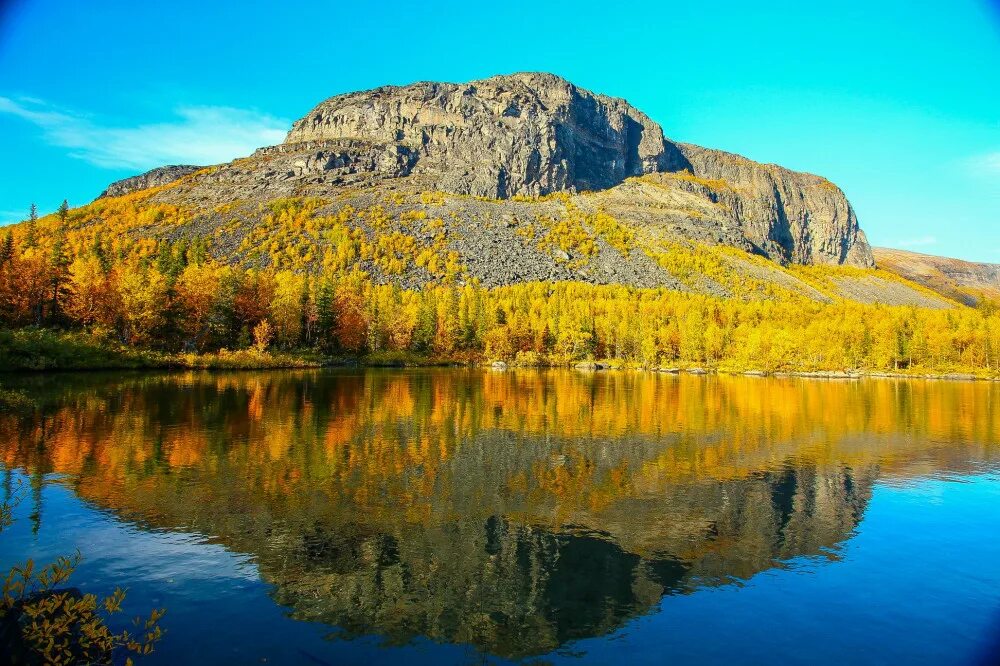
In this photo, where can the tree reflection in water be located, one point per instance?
(514, 511)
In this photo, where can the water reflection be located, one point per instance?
(511, 511)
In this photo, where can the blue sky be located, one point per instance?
(896, 102)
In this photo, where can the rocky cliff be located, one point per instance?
(523, 134)
(521, 166)
(154, 178)
(799, 217)
(534, 134)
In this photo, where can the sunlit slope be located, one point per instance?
(965, 281)
(655, 231)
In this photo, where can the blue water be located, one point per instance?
(919, 583)
(915, 581)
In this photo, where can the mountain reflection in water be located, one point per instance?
(513, 511)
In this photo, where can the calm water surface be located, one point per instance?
(456, 516)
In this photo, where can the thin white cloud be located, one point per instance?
(987, 164)
(920, 241)
(12, 216)
(200, 135)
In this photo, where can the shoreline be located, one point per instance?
(236, 361)
(806, 374)
(36, 351)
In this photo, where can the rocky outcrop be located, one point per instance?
(510, 139)
(533, 134)
(523, 134)
(795, 217)
(335, 158)
(155, 178)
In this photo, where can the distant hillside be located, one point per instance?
(964, 281)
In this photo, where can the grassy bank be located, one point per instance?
(408, 359)
(35, 349)
(41, 349)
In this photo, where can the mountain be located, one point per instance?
(516, 219)
(964, 281)
(509, 179)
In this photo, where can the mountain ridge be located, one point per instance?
(505, 144)
(968, 282)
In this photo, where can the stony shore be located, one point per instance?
(593, 366)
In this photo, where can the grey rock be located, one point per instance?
(343, 157)
(794, 217)
(154, 178)
(527, 133)
(533, 134)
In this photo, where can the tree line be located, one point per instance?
(172, 295)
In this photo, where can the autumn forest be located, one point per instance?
(91, 274)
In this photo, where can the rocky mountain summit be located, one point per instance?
(517, 165)
(523, 134)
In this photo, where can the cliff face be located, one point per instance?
(799, 217)
(523, 134)
(506, 141)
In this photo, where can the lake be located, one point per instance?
(471, 516)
